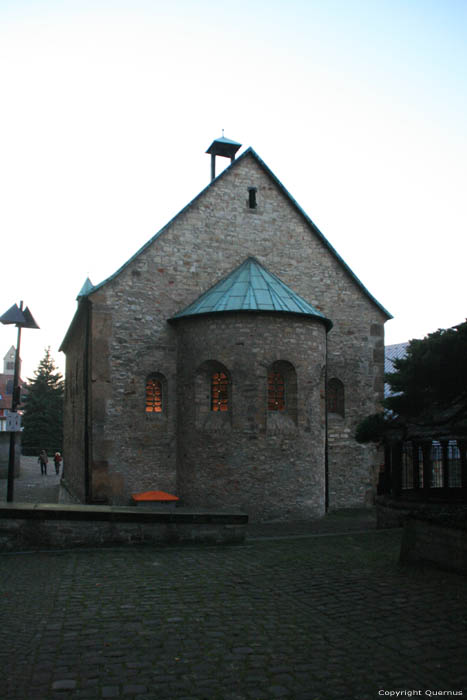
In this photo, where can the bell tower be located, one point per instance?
(222, 147)
(9, 361)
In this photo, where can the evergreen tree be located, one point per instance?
(429, 388)
(431, 378)
(43, 409)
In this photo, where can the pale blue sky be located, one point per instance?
(358, 107)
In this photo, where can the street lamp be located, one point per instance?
(21, 318)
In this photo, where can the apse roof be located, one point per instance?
(250, 287)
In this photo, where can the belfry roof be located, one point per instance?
(250, 287)
(224, 147)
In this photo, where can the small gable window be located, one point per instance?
(153, 395)
(276, 391)
(219, 392)
(336, 397)
(252, 197)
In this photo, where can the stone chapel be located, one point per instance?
(227, 362)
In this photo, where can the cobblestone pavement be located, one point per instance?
(302, 611)
(310, 618)
(31, 486)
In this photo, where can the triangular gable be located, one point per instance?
(11, 352)
(314, 228)
(251, 287)
(316, 231)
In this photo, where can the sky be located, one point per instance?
(358, 107)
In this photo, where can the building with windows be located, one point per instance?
(227, 362)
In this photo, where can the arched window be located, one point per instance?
(336, 397)
(219, 392)
(281, 407)
(153, 395)
(276, 391)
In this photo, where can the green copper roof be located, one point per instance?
(86, 288)
(251, 287)
(224, 147)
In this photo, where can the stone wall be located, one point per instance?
(425, 542)
(132, 451)
(391, 514)
(74, 417)
(356, 358)
(26, 527)
(266, 462)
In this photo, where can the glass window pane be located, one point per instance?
(153, 396)
(276, 392)
(219, 392)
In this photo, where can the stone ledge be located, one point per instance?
(426, 542)
(392, 512)
(56, 526)
(59, 511)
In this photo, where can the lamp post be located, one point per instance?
(21, 318)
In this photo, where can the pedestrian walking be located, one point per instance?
(57, 461)
(43, 460)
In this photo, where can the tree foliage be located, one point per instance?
(43, 409)
(372, 428)
(432, 377)
(428, 388)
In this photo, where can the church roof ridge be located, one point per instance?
(251, 287)
(321, 236)
(316, 230)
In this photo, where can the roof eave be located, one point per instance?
(166, 226)
(78, 313)
(317, 231)
(322, 319)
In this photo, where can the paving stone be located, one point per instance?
(134, 689)
(65, 684)
(328, 623)
(258, 695)
(278, 691)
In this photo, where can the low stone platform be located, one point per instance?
(394, 512)
(25, 526)
(434, 543)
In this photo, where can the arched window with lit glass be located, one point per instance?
(336, 399)
(276, 391)
(153, 395)
(219, 392)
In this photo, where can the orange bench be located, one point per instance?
(155, 498)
